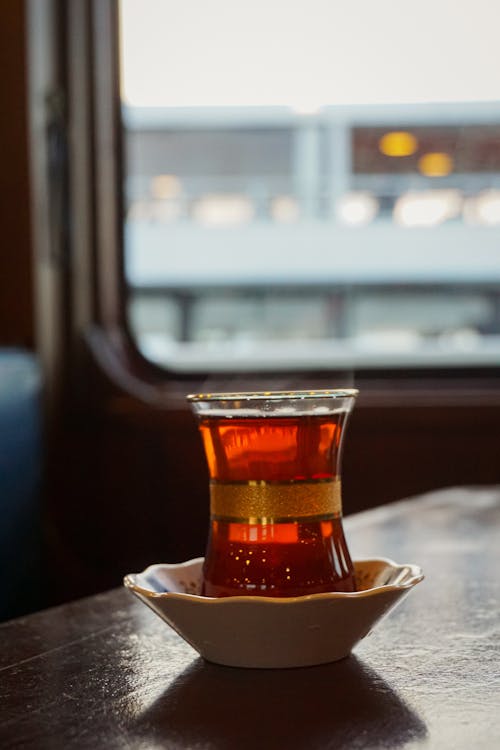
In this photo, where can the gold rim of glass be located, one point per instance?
(274, 395)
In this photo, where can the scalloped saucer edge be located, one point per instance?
(253, 631)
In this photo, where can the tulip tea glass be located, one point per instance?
(275, 492)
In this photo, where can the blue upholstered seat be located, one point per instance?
(20, 467)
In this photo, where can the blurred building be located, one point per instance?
(353, 226)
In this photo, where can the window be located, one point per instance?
(287, 208)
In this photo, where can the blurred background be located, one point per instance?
(235, 195)
(291, 179)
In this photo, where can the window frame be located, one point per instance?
(95, 318)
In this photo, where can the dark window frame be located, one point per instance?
(91, 262)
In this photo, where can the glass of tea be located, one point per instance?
(275, 492)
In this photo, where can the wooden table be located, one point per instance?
(105, 672)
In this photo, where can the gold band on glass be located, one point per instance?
(275, 500)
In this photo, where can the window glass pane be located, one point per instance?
(312, 183)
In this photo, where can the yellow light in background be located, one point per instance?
(226, 209)
(483, 208)
(435, 164)
(357, 208)
(427, 208)
(165, 186)
(398, 143)
(285, 209)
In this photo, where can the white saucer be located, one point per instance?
(253, 631)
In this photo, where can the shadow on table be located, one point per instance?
(339, 705)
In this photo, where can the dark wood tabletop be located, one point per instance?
(105, 672)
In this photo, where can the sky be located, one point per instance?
(308, 53)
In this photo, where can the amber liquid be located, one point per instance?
(276, 527)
